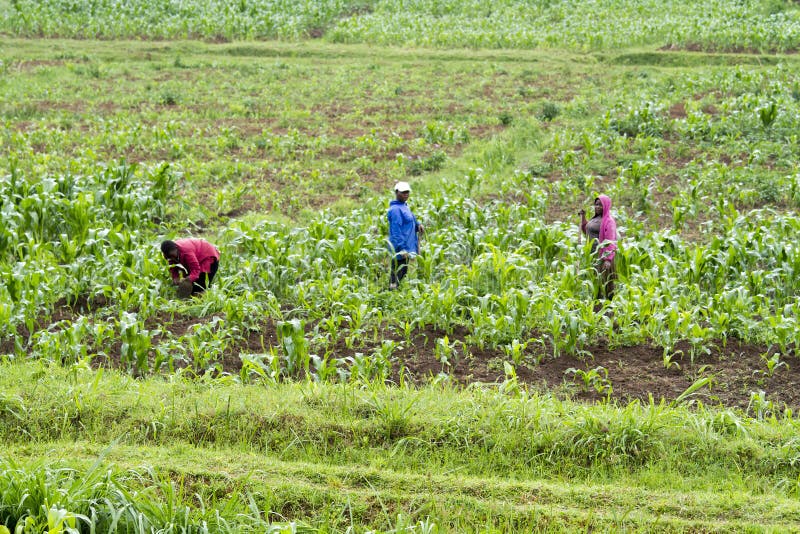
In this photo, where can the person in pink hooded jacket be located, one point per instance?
(198, 259)
(602, 230)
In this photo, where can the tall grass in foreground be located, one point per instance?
(500, 430)
(61, 500)
(310, 457)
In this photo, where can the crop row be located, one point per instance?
(701, 172)
(584, 26)
(231, 126)
(495, 269)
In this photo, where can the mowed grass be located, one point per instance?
(333, 498)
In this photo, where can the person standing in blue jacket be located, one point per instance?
(403, 230)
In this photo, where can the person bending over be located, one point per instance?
(195, 264)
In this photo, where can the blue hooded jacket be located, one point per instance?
(402, 228)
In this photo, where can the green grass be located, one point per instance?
(338, 496)
(349, 456)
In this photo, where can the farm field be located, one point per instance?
(491, 392)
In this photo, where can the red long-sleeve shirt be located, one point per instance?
(196, 255)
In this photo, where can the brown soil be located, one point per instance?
(677, 111)
(638, 372)
(34, 64)
(735, 370)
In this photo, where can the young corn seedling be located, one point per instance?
(136, 342)
(697, 337)
(256, 366)
(408, 330)
(332, 326)
(784, 330)
(327, 368)
(386, 350)
(207, 342)
(357, 319)
(167, 353)
(515, 351)
(773, 363)
(596, 379)
(291, 335)
(367, 369)
(760, 406)
(445, 352)
(768, 114)
(669, 356)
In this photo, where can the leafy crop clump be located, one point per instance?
(431, 163)
(549, 111)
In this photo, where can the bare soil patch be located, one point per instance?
(677, 111)
(34, 64)
(736, 371)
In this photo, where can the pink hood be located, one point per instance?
(608, 231)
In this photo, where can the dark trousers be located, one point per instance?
(205, 279)
(398, 270)
(606, 277)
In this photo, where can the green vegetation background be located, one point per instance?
(124, 123)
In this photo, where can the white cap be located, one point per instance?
(401, 187)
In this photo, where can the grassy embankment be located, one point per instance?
(342, 455)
